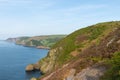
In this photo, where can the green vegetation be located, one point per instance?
(24, 38)
(36, 42)
(114, 71)
(96, 32)
(88, 47)
(44, 41)
(83, 38)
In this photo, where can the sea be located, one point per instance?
(14, 59)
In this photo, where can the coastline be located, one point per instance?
(37, 47)
(19, 57)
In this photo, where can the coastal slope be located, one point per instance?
(45, 41)
(91, 53)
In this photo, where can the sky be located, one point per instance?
(48, 17)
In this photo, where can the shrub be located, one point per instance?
(114, 72)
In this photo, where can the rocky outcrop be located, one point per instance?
(12, 40)
(48, 63)
(42, 47)
(71, 74)
(30, 67)
(33, 78)
(90, 73)
(36, 66)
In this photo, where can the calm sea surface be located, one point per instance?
(14, 59)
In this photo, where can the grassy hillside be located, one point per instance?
(81, 39)
(83, 48)
(39, 41)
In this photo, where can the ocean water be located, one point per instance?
(14, 58)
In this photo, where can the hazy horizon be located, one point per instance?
(17, 36)
(49, 17)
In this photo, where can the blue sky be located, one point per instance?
(43, 17)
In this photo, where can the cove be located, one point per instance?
(14, 58)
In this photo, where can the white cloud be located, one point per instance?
(9, 1)
(86, 7)
(26, 3)
(81, 9)
(14, 1)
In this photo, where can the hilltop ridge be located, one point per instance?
(85, 54)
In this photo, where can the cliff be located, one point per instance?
(12, 40)
(37, 41)
(90, 53)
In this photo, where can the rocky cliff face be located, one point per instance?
(12, 40)
(82, 55)
(89, 73)
(47, 64)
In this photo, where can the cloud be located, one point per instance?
(6, 2)
(82, 9)
(9, 1)
(26, 3)
(86, 7)
(14, 3)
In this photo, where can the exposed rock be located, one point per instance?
(47, 64)
(55, 72)
(42, 47)
(71, 74)
(111, 41)
(30, 67)
(118, 41)
(33, 78)
(74, 53)
(36, 66)
(90, 73)
(12, 40)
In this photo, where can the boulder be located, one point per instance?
(36, 66)
(33, 78)
(30, 67)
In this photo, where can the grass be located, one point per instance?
(93, 33)
(46, 41)
(92, 40)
